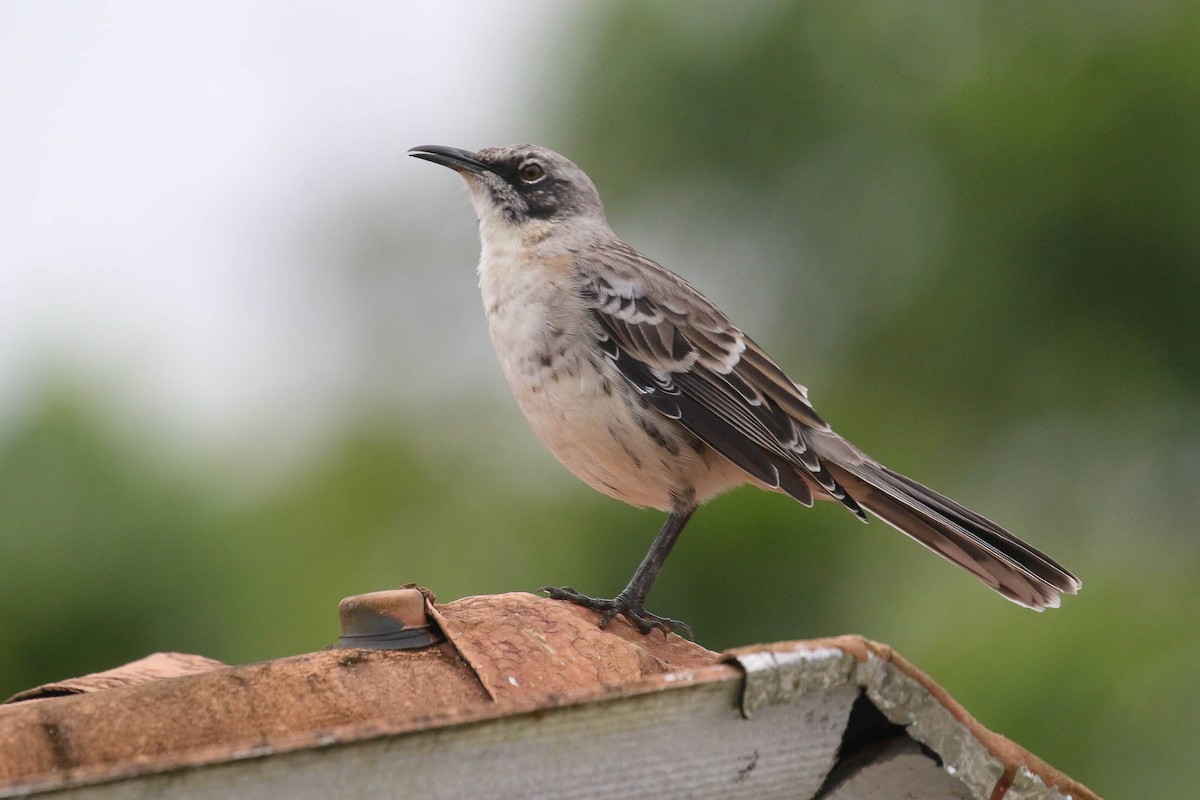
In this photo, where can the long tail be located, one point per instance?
(1016, 570)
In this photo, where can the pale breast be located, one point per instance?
(573, 397)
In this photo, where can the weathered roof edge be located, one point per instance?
(1019, 766)
(528, 656)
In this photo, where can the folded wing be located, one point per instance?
(692, 364)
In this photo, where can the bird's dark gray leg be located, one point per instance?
(629, 602)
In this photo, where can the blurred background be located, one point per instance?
(244, 370)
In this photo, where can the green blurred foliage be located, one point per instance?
(976, 229)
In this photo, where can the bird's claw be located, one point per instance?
(620, 605)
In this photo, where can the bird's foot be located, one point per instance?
(620, 605)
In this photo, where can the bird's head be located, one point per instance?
(520, 184)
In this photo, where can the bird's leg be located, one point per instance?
(629, 602)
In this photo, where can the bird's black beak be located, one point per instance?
(452, 157)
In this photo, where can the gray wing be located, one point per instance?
(688, 361)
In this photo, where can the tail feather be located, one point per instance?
(1013, 568)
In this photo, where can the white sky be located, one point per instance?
(159, 163)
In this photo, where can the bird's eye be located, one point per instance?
(531, 172)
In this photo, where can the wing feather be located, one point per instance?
(688, 360)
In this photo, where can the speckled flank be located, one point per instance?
(585, 412)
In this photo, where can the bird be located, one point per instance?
(649, 393)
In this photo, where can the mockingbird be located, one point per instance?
(649, 393)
